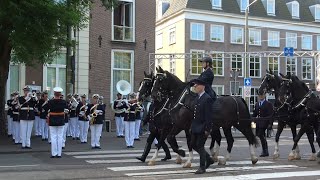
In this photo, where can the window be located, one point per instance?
(216, 4)
(317, 13)
(172, 65)
(271, 7)
(237, 63)
(273, 39)
(238, 93)
(196, 67)
(217, 33)
(318, 42)
(197, 31)
(122, 69)
(307, 69)
(219, 89)
(291, 65)
(243, 5)
(237, 35)
(273, 64)
(217, 63)
(123, 21)
(254, 37)
(160, 12)
(294, 9)
(13, 80)
(306, 41)
(172, 36)
(55, 74)
(253, 98)
(291, 40)
(254, 66)
(159, 41)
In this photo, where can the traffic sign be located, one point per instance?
(247, 81)
(288, 51)
(247, 91)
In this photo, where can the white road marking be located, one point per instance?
(106, 152)
(224, 169)
(31, 165)
(168, 166)
(261, 176)
(112, 155)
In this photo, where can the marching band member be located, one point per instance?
(37, 121)
(9, 116)
(139, 110)
(73, 116)
(66, 124)
(129, 121)
(95, 113)
(42, 105)
(119, 105)
(57, 108)
(83, 120)
(16, 119)
(27, 116)
(77, 99)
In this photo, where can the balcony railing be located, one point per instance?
(122, 33)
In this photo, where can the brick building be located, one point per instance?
(216, 27)
(120, 42)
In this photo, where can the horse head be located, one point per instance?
(145, 86)
(270, 82)
(160, 85)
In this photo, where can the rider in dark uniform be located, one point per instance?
(207, 76)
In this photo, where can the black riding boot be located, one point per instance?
(167, 151)
(264, 145)
(145, 152)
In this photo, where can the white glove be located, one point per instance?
(81, 113)
(66, 110)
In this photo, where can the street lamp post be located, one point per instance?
(246, 44)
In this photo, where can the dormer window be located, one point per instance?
(216, 4)
(315, 10)
(294, 9)
(243, 4)
(271, 7)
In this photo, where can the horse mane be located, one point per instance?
(301, 83)
(174, 77)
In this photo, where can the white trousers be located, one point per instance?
(78, 128)
(17, 136)
(25, 130)
(56, 133)
(73, 126)
(37, 126)
(65, 128)
(44, 128)
(96, 130)
(137, 128)
(120, 125)
(84, 127)
(129, 132)
(10, 125)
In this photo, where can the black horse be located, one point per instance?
(180, 105)
(305, 105)
(271, 84)
(145, 92)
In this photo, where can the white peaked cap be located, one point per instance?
(57, 89)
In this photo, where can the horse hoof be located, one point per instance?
(222, 161)
(151, 163)
(254, 161)
(187, 165)
(178, 161)
(215, 159)
(276, 156)
(297, 157)
(290, 158)
(313, 157)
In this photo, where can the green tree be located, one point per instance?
(34, 31)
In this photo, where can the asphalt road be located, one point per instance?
(115, 161)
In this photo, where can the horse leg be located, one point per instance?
(280, 128)
(152, 161)
(296, 140)
(215, 143)
(187, 164)
(230, 140)
(293, 127)
(147, 148)
(253, 143)
(174, 145)
(310, 136)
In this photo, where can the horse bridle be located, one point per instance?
(268, 77)
(146, 81)
(162, 93)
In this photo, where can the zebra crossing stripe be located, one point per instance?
(261, 176)
(113, 155)
(169, 166)
(224, 169)
(106, 152)
(116, 161)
